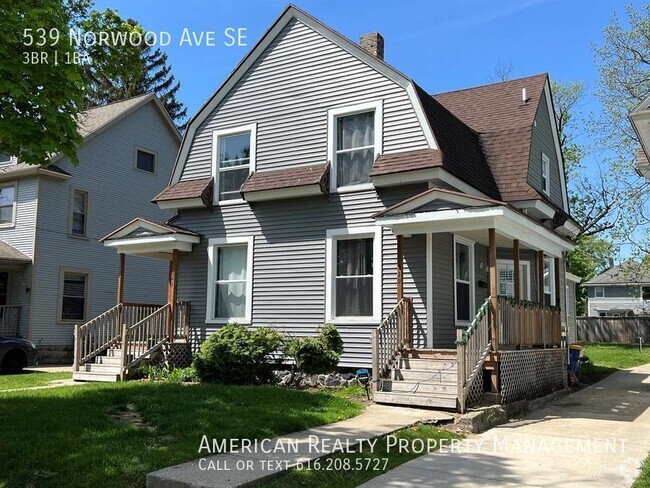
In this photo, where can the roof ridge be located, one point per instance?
(115, 102)
(485, 85)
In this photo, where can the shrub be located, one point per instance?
(317, 354)
(236, 355)
(170, 374)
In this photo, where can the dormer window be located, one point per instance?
(546, 180)
(355, 142)
(234, 161)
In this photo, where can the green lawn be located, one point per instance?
(352, 469)
(609, 358)
(28, 379)
(68, 436)
(643, 481)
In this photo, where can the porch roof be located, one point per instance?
(143, 237)
(440, 210)
(11, 255)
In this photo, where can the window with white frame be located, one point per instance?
(599, 292)
(353, 265)
(7, 204)
(546, 178)
(230, 280)
(74, 295)
(549, 281)
(234, 155)
(355, 133)
(464, 279)
(506, 278)
(79, 213)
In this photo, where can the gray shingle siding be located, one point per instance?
(614, 291)
(543, 142)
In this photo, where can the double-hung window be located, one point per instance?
(353, 262)
(464, 280)
(549, 281)
(355, 134)
(599, 292)
(74, 295)
(506, 278)
(234, 160)
(546, 178)
(7, 204)
(230, 280)
(79, 213)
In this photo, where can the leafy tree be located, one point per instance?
(41, 98)
(591, 257)
(122, 71)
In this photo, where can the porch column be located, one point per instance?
(492, 253)
(540, 276)
(120, 278)
(515, 252)
(557, 281)
(171, 293)
(400, 268)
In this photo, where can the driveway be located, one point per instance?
(596, 437)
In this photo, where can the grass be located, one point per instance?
(345, 470)
(643, 481)
(609, 358)
(66, 437)
(29, 379)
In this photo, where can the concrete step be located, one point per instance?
(102, 368)
(428, 364)
(95, 376)
(113, 360)
(417, 400)
(446, 354)
(440, 376)
(420, 387)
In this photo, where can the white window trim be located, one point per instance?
(148, 151)
(71, 212)
(62, 272)
(14, 185)
(213, 244)
(335, 113)
(332, 236)
(603, 290)
(526, 266)
(551, 275)
(472, 281)
(546, 174)
(216, 135)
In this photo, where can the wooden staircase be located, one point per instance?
(422, 377)
(104, 368)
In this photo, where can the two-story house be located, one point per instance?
(54, 272)
(319, 184)
(620, 291)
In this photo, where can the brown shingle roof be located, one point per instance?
(182, 190)
(504, 125)
(288, 178)
(406, 161)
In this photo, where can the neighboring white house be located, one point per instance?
(618, 292)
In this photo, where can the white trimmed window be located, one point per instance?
(78, 213)
(355, 135)
(464, 280)
(599, 292)
(546, 177)
(353, 268)
(230, 280)
(7, 204)
(233, 160)
(549, 281)
(73, 300)
(506, 278)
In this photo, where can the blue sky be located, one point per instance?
(442, 44)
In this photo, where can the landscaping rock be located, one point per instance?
(482, 419)
(296, 379)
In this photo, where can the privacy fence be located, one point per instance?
(613, 329)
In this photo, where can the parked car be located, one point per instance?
(15, 354)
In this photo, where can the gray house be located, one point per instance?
(620, 291)
(321, 185)
(54, 272)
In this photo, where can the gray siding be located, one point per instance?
(481, 278)
(288, 92)
(542, 141)
(571, 311)
(415, 285)
(615, 291)
(21, 235)
(444, 329)
(289, 262)
(117, 193)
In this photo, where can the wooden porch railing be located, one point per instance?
(524, 323)
(390, 339)
(473, 348)
(182, 320)
(143, 338)
(10, 320)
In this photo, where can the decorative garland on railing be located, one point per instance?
(487, 304)
(528, 303)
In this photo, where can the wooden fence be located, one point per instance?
(613, 329)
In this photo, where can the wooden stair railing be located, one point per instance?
(473, 348)
(390, 339)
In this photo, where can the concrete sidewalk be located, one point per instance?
(230, 470)
(597, 437)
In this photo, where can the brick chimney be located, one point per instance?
(373, 43)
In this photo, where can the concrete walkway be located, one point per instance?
(230, 470)
(597, 437)
(49, 368)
